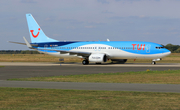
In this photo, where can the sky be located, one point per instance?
(91, 20)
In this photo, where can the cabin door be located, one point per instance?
(148, 48)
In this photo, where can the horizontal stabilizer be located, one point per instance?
(35, 45)
(17, 43)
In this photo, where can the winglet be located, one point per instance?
(27, 43)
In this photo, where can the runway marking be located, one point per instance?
(93, 86)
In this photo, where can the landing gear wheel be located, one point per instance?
(153, 63)
(85, 62)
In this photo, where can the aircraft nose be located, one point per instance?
(167, 52)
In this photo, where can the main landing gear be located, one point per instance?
(85, 62)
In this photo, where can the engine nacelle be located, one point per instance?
(98, 58)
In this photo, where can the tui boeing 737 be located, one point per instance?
(92, 51)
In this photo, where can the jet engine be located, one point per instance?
(98, 58)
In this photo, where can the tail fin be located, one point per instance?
(36, 33)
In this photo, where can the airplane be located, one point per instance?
(92, 51)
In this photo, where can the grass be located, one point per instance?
(54, 99)
(33, 58)
(1, 66)
(173, 58)
(161, 77)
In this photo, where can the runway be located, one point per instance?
(25, 70)
(93, 86)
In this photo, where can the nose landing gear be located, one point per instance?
(153, 63)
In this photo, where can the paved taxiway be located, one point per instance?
(24, 70)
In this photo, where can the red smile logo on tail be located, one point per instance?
(33, 33)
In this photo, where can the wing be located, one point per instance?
(78, 53)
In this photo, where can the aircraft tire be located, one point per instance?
(85, 62)
(153, 63)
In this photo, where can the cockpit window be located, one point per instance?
(159, 47)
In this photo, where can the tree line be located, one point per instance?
(18, 52)
(171, 47)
